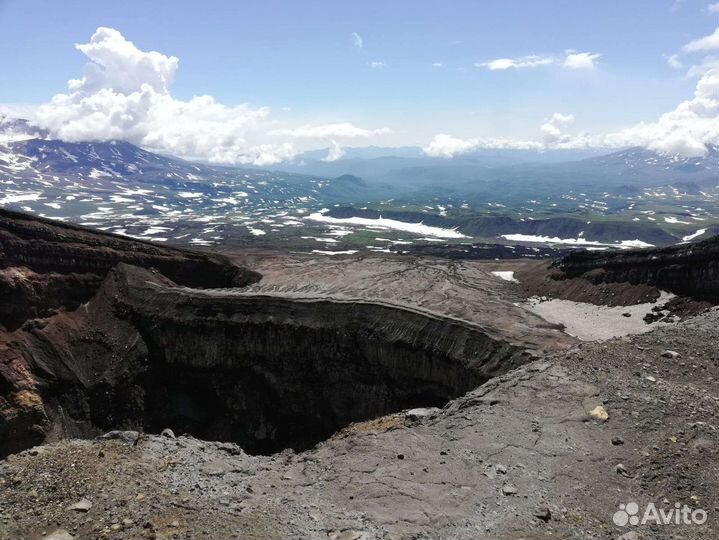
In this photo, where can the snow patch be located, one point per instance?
(691, 237)
(506, 275)
(623, 244)
(416, 228)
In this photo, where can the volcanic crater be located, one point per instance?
(140, 337)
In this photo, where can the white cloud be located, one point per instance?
(377, 65)
(334, 153)
(552, 128)
(341, 130)
(674, 62)
(572, 60)
(698, 70)
(554, 133)
(713, 8)
(124, 94)
(437, 65)
(580, 60)
(687, 130)
(501, 64)
(261, 154)
(357, 40)
(448, 146)
(706, 43)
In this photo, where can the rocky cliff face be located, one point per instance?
(46, 266)
(268, 373)
(131, 341)
(688, 270)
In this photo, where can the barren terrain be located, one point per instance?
(353, 398)
(519, 457)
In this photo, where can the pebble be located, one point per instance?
(83, 505)
(509, 489)
(599, 413)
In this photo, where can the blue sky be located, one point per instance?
(300, 59)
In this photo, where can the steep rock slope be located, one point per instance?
(261, 371)
(689, 269)
(46, 265)
(49, 270)
(142, 346)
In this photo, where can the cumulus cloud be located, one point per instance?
(357, 40)
(334, 153)
(706, 43)
(553, 137)
(377, 65)
(554, 134)
(341, 130)
(580, 60)
(697, 70)
(687, 130)
(523, 62)
(124, 93)
(260, 154)
(448, 146)
(552, 128)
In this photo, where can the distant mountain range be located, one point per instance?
(120, 184)
(508, 176)
(120, 187)
(42, 165)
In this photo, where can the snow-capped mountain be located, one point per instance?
(120, 187)
(647, 162)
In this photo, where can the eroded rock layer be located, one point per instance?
(689, 270)
(265, 372)
(46, 265)
(132, 342)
